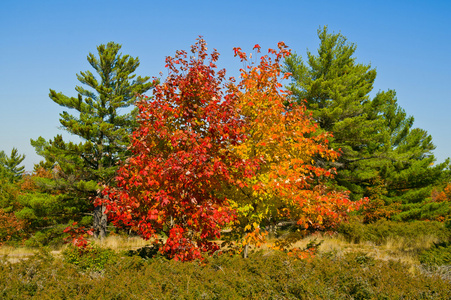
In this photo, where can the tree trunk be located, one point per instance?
(100, 222)
(246, 251)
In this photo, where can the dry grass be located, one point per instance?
(422, 242)
(400, 249)
(114, 242)
(22, 251)
(15, 254)
(119, 243)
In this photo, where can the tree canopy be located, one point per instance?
(209, 154)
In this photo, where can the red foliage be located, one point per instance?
(200, 138)
(181, 158)
(77, 236)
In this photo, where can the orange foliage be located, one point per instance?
(376, 209)
(255, 237)
(10, 227)
(442, 196)
(284, 138)
(447, 191)
(28, 182)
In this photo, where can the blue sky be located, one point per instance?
(44, 44)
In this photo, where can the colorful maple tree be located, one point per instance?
(210, 153)
(290, 184)
(182, 157)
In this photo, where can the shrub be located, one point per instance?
(439, 254)
(91, 258)
(265, 275)
(11, 228)
(437, 211)
(52, 236)
(383, 230)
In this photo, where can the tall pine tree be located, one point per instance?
(382, 156)
(408, 167)
(104, 130)
(9, 165)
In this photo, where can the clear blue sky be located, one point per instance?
(44, 44)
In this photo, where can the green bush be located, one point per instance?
(424, 211)
(52, 236)
(91, 258)
(383, 230)
(439, 254)
(270, 275)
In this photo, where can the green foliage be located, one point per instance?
(424, 211)
(51, 235)
(268, 276)
(9, 166)
(78, 169)
(44, 210)
(99, 122)
(382, 230)
(336, 90)
(92, 258)
(40, 212)
(439, 254)
(9, 193)
(407, 169)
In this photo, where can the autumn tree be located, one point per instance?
(99, 122)
(182, 156)
(209, 154)
(281, 135)
(11, 227)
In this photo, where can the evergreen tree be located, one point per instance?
(9, 166)
(10, 173)
(81, 168)
(382, 155)
(408, 169)
(336, 91)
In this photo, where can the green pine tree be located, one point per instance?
(382, 155)
(336, 90)
(104, 129)
(408, 168)
(9, 166)
(10, 175)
